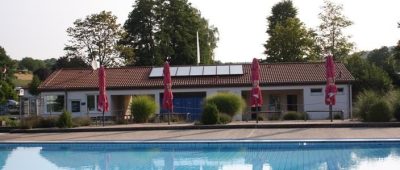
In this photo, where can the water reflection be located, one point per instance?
(206, 158)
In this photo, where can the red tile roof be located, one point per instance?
(138, 77)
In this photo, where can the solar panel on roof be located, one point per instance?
(223, 70)
(236, 69)
(196, 70)
(173, 71)
(199, 70)
(156, 72)
(210, 70)
(183, 71)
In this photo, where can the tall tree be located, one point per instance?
(396, 51)
(34, 85)
(31, 64)
(289, 40)
(95, 38)
(167, 28)
(368, 76)
(331, 28)
(70, 62)
(281, 12)
(7, 70)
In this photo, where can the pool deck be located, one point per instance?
(282, 130)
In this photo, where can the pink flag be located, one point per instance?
(168, 97)
(102, 103)
(256, 96)
(330, 89)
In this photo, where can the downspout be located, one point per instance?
(350, 102)
(66, 100)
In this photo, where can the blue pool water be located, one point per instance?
(220, 155)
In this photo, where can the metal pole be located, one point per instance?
(169, 114)
(330, 113)
(103, 117)
(20, 108)
(256, 114)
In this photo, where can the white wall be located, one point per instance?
(311, 102)
(317, 102)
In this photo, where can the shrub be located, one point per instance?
(379, 112)
(337, 116)
(47, 122)
(65, 120)
(228, 103)
(210, 114)
(274, 117)
(30, 122)
(8, 122)
(394, 100)
(363, 104)
(291, 116)
(142, 108)
(224, 118)
(81, 121)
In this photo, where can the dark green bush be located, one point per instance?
(396, 111)
(379, 112)
(210, 114)
(228, 103)
(142, 108)
(224, 118)
(291, 116)
(364, 102)
(395, 102)
(65, 120)
(337, 116)
(81, 121)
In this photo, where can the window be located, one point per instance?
(316, 91)
(291, 102)
(92, 102)
(340, 90)
(55, 103)
(274, 103)
(75, 106)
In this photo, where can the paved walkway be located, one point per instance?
(211, 134)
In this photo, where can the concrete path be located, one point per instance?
(212, 134)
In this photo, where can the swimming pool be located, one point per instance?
(203, 155)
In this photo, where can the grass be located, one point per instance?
(23, 79)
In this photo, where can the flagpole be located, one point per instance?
(198, 48)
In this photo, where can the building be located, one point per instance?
(285, 87)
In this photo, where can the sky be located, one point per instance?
(37, 28)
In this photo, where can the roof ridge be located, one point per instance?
(54, 76)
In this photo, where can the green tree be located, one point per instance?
(289, 40)
(384, 58)
(331, 28)
(367, 75)
(50, 62)
(31, 64)
(280, 12)
(42, 73)
(396, 51)
(167, 28)
(70, 62)
(96, 38)
(7, 70)
(33, 86)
